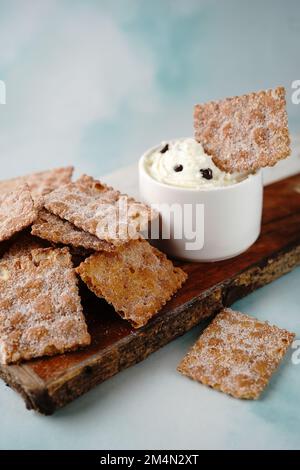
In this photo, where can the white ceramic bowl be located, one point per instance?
(226, 220)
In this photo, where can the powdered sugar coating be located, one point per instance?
(17, 211)
(136, 279)
(51, 227)
(100, 210)
(236, 354)
(245, 132)
(39, 183)
(40, 310)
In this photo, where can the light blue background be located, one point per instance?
(95, 83)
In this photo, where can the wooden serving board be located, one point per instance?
(50, 383)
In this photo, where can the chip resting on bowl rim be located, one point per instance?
(244, 133)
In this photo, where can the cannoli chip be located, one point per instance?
(236, 354)
(245, 132)
(40, 309)
(39, 183)
(17, 211)
(54, 229)
(136, 279)
(100, 210)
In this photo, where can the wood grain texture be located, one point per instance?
(50, 383)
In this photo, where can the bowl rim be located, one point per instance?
(255, 175)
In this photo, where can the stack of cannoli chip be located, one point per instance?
(46, 221)
(126, 270)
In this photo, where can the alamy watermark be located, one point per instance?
(179, 222)
(296, 353)
(2, 92)
(126, 218)
(296, 94)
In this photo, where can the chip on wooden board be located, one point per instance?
(17, 211)
(244, 133)
(136, 279)
(54, 229)
(40, 309)
(100, 210)
(40, 183)
(236, 354)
